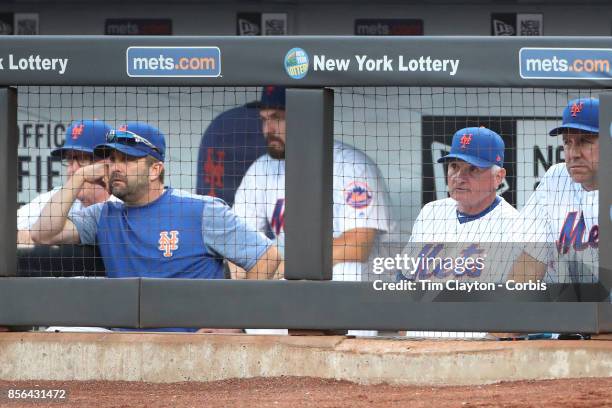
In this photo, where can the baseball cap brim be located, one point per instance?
(576, 126)
(474, 161)
(60, 151)
(104, 150)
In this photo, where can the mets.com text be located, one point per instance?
(168, 63)
(565, 63)
(174, 61)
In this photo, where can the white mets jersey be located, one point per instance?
(561, 213)
(359, 193)
(440, 222)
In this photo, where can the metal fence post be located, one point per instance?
(8, 182)
(605, 190)
(309, 184)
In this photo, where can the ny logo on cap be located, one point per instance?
(269, 90)
(465, 140)
(576, 108)
(77, 131)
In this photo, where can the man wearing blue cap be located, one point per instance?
(563, 212)
(475, 171)
(81, 139)
(156, 232)
(473, 213)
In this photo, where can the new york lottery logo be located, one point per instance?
(296, 63)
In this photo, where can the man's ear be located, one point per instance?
(155, 170)
(500, 176)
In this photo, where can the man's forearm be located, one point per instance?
(24, 237)
(54, 215)
(266, 265)
(354, 245)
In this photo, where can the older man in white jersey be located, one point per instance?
(473, 214)
(560, 220)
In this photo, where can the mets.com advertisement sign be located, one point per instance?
(566, 63)
(173, 61)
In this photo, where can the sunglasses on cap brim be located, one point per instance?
(128, 138)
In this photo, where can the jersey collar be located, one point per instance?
(463, 218)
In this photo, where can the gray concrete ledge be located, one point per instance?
(205, 357)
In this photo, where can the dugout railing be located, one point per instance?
(307, 299)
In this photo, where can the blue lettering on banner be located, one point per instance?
(565, 63)
(173, 61)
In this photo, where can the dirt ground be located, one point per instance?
(311, 392)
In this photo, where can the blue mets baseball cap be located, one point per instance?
(580, 114)
(272, 97)
(478, 146)
(135, 139)
(83, 136)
